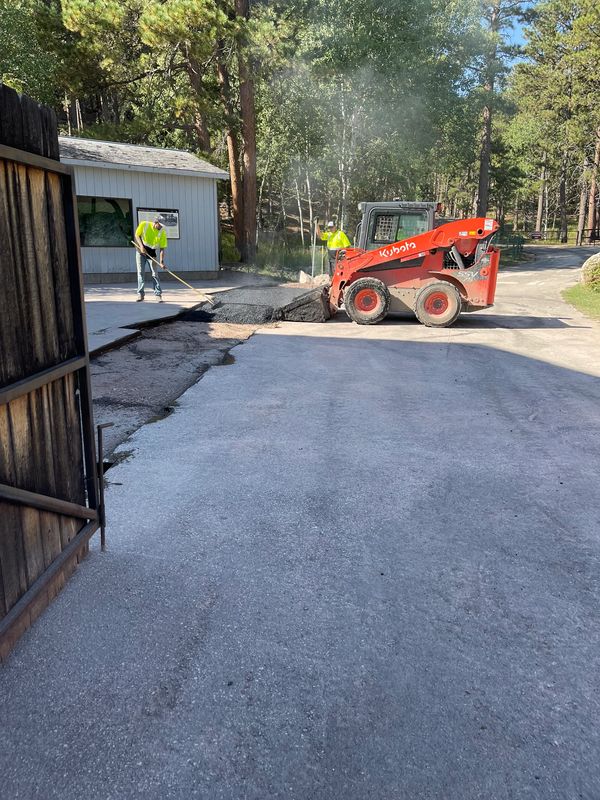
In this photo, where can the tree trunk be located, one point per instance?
(310, 202)
(195, 77)
(260, 219)
(591, 217)
(346, 157)
(67, 106)
(562, 199)
(501, 215)
(300, 217)
(248, 112)
(342, 167)
(270, 200)
(283, 211)
(485, 153)
(582, 207)
(78, 115)
(202, 134)
(233, 150)
(445, 193)
(540, 206)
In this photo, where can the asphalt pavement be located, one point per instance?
(356, 562)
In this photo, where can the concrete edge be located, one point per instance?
(135, 329)
(117, 342)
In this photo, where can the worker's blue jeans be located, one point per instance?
(331, 257)
(141, 261)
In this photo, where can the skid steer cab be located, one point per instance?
(404, 263)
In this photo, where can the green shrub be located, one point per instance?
(590, 272)
(229, 252)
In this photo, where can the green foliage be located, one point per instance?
(356, 100)
(229, 252)
(25, 64)
(554, 92)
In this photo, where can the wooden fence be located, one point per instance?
(49, 491)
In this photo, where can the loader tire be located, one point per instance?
(438, 305)
(367, 301)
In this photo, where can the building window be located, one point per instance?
(105, 221)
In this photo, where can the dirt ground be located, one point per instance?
(140, 381)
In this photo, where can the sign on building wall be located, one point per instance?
(170, 219)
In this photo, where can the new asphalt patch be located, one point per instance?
(257, 305)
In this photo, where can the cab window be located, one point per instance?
(393, 227)
(411, 224)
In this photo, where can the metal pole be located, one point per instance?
(101, 509)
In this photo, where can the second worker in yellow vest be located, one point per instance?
(335, 240)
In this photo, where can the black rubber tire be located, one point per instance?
(432, 294)
(363, 289)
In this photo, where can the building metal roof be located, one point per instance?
(119, 155)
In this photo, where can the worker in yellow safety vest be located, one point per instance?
(150, 236)
(335, 240)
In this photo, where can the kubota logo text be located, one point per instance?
(396, 250)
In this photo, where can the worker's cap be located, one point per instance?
(159, 218)
(331, 224)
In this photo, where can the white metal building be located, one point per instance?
(118, 185)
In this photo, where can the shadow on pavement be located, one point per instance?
(476, 320)
(513, 321)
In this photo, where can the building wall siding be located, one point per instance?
(195, 198)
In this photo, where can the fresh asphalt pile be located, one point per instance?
(257, 305)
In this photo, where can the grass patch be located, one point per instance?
(585, 298)
(277, 257)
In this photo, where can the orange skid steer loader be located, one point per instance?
(435, 273)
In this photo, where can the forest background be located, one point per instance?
(486, 107)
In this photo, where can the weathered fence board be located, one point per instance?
(48, 479)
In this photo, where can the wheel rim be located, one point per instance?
(437, 304)
(367, 301)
